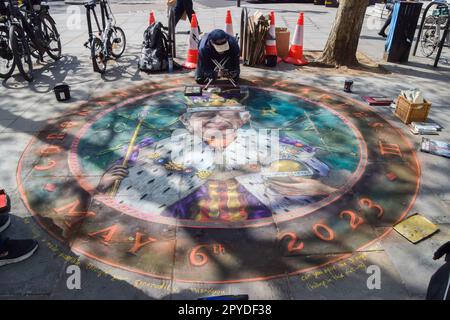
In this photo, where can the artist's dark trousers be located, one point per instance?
(386, 24)
(181, 7)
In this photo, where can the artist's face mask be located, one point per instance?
(221, 47)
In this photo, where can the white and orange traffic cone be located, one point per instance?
(271, 40)
(151, 18)
(194, 38)
(229, 24)
(296, 50)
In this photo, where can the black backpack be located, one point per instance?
(155, 49)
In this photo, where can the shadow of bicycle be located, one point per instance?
(46, 75)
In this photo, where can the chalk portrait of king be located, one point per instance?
(216, 167)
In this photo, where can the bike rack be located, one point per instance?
(444, 36)
(172, 32)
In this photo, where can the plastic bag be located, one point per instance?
(413, 96)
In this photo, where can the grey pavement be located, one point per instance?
(25, 108)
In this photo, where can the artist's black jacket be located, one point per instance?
(206, 52)
(439, 283)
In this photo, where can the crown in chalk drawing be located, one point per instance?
(213, 102)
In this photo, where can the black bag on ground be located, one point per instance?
(155, 49)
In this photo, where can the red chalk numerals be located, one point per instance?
(198, 256)
(323, 232)
(326, 233)
(366, 203)
(355, 220)
(293, 246)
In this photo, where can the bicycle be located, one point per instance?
(434, 25)
(19, 42)
(111, 42)
(32, 31)
(7, 63)
(45, 27)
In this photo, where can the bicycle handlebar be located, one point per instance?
(94, 2)
(91, 3)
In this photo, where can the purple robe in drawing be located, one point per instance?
(168, 179)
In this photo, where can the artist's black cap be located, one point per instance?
(218, 36)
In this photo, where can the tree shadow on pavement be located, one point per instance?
(46, 76)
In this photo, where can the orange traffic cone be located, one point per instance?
(271, 42)
(229, 24)
(194, 37)
(296, 50)
(151, 18)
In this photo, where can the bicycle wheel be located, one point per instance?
(33, 51)
(7, 63)
(51, 36)
(36, 38)
(117, 42)
(98, 58)
(430, 38)
(21, 52)
(172, 36)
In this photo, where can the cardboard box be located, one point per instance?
(282, 35)
(412, 112)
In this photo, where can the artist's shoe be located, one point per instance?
(17, 250)
(201, 80)
(5, 221)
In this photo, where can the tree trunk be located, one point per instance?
(342, 43)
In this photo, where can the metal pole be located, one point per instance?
(238, 3)
(441, 44)
(421, 26)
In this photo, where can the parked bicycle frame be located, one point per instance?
(7, 63)
(110, 42)
(434, 26)
(32, 32)
(434, 31)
